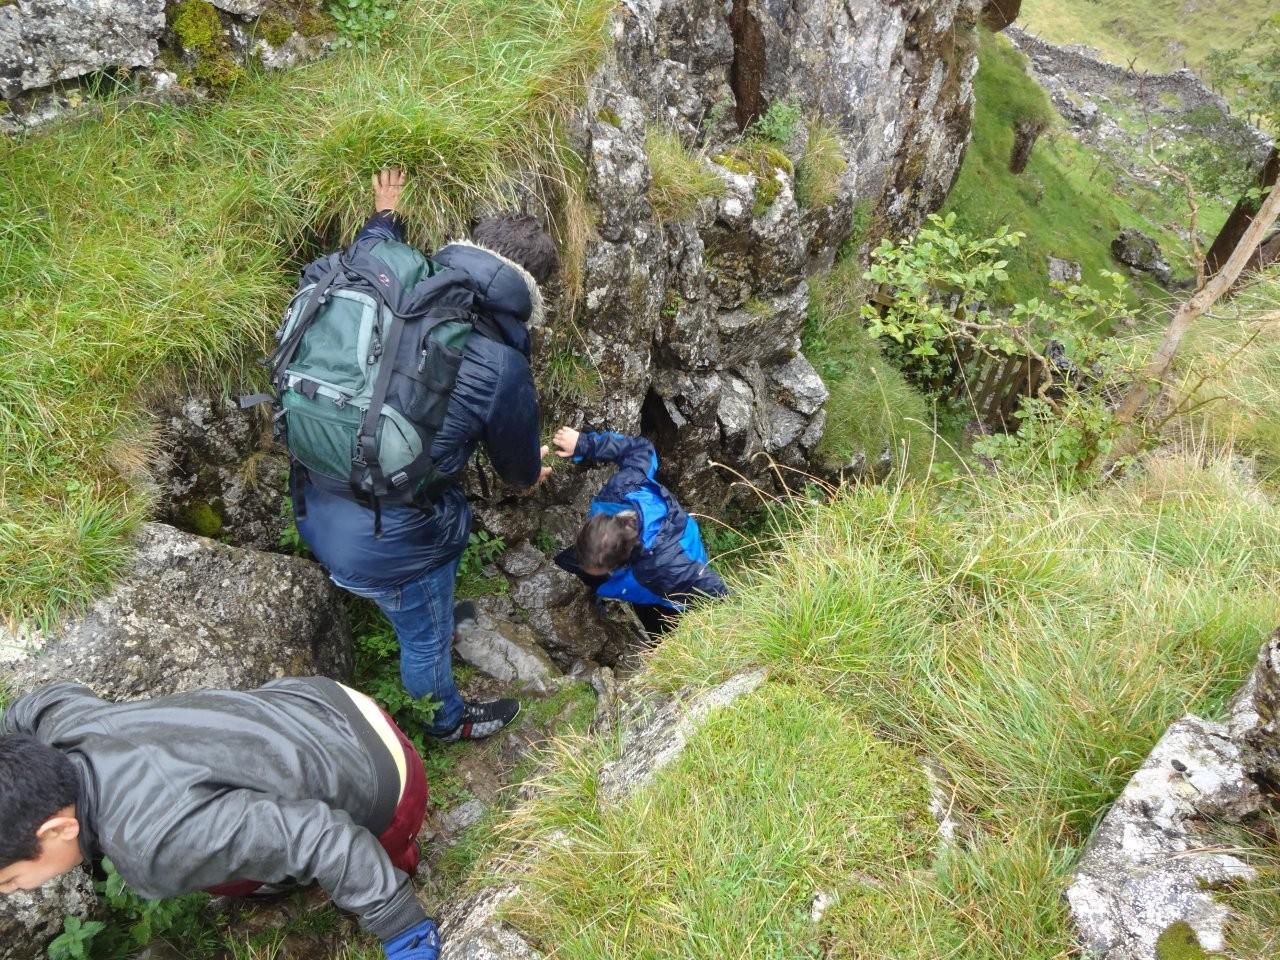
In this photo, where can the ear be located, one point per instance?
(59, 827)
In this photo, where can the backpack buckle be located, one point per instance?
(399, 479)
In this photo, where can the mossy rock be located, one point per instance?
(766, 192)
(775, 158)
(274, 29)
(202, 518)
(609, 117)
(306, 17)
(196, 25)
(1179, 942)
(218, 72)
(732, 163)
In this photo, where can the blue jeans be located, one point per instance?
(422, 613)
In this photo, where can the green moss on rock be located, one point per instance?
(1179, 942)
(609, 117)
(767, 191)
(196, 25)
(733, 163)
(203, 519)
(274, 29)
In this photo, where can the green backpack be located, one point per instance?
(367, 359)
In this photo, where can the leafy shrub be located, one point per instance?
(778, 124)
(482, 551)
(75, 940)
(134, 922)
(363, 23)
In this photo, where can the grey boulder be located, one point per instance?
(29, 920)
(191, 613)
(44, 41)
(489, 638)
(1153, 864)
(1142, 254)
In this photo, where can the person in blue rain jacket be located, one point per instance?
(638, 544)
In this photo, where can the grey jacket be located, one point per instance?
(288, 782)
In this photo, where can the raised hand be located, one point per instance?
(388, 184)
(566, 441)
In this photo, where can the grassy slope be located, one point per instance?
(1035, 643)
(1068, 202)
(151, 239)
(1162, 34)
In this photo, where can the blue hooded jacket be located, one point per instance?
(493, 403)
(669, 565)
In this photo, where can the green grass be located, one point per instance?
(149, 243)
(1036, 643)
(737, 876)
(1070, 202)
(820, 167)
(871, 404)
(1161, 34)
(680, 178)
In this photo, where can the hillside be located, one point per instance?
(1158, 35)
(950, 641)
(1032, 642)
(1070, 201)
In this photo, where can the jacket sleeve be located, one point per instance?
(382, 226)
(685, 580)
(245, 835)
(635, 456)
(47, 707)
(511, 430)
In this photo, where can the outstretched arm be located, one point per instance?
(262, 838)
(385, 224)
(629, 453)
(511, 431)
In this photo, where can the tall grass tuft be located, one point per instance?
(680, 178)
(151, 242)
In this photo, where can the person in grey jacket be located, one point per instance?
(301, 780)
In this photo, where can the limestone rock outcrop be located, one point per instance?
(30, 919)
(691, 328)
(217, 473)
(49, 48)
(1153, 864)
(190, 613)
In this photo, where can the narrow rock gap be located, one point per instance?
(747, 72)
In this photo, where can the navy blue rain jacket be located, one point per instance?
(669, 565)
(493, 403)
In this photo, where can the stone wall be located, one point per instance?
(53, 53)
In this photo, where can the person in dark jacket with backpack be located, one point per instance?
(638, 544)
(303, 780)
(406, 557)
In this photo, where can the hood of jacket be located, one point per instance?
(507, 291)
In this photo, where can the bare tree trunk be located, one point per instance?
(1245, 210)
(1025, 135)
(1268, 253)
(1204, 298)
